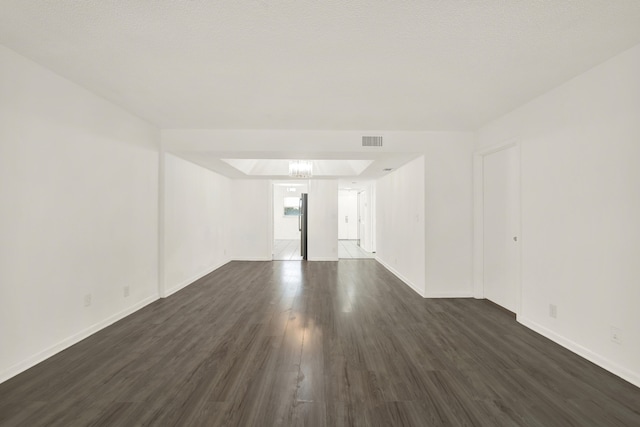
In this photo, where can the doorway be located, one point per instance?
(353, 212)
(498, 215)
(286, 220)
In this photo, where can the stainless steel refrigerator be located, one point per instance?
(302, 224)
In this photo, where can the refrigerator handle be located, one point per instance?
(300, 215)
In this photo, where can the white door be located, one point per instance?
(347, 215)
(362, 208)
(501, 217)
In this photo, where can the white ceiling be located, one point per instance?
(307, 64)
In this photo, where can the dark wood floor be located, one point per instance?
(323, 343)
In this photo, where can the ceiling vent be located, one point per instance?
(372, 141)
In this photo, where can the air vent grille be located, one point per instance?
(372, 141)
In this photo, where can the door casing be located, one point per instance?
(478, 220)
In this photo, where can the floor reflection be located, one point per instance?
(290, 278)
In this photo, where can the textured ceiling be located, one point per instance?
(308, 64)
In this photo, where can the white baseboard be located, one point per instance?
(603, 362)
(400, 276)
(258, 258)
(192, 279)
(74, 339)
(449, 295)
(322, 259)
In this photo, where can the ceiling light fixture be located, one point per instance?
(300, 168)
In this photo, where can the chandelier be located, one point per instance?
(300, 168)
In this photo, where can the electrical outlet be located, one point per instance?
(87, 300)
(616, 335)
(126, 291)
(553, 311)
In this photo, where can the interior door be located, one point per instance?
(501, 218)
(343, 215)
(362, 206)
(347, 215)
(352, 215)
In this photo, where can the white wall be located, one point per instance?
(580, 192)
(448, 218)
(197, 222)
(323, 220)
(424, 219)
(250, 215)
(285, 227)
(78, 216)
(400, 236)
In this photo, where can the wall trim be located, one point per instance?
(255, 258)
(603, 362)
(73, 339)
(320, 258)
(401, 277)
(189, 281)
(461, 294)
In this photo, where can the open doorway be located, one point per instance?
(355, 221)
(286, 219)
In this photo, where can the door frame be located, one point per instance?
(306, 184)
(359, 218)
(478, 219)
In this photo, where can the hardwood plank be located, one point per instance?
(318, 344)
